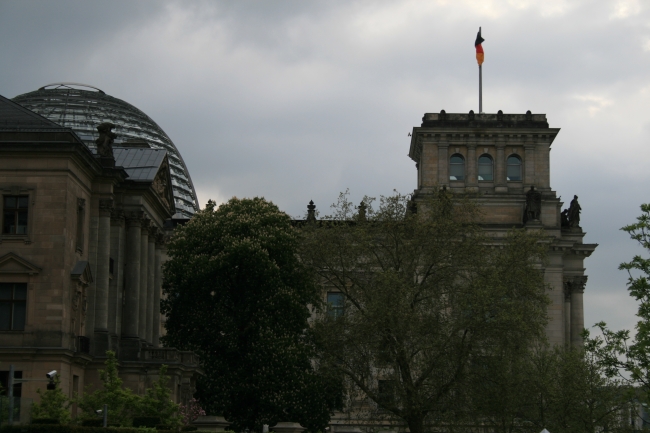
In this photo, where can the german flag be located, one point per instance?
(480, 56)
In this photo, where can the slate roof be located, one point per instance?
(14, 117)
(141, 164)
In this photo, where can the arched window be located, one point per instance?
(457, 167)
(514, 168)
(485, 168)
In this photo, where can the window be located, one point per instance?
(457, 167)
(335, 304)
(4, 385)
(485, 168)
(13, 306)
(386, 392)
(514, 168)
(81, 217)
(15, 214)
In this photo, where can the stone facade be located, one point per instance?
(503, 156)
(87, 251)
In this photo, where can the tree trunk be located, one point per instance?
(415, 423)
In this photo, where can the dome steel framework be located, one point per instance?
(72, 106)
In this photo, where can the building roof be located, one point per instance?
(83, 108)
(15, 117)
(484, 120)
(141, 164)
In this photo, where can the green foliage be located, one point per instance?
(620, 354)
(53, 405)
(73, 429)
(121, 401)
(557, 389)
(237, 294)
(426, 295)
(157, 402)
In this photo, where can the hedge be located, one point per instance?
(70, 429)
(146, 421)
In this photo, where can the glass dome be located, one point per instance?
(82, 108)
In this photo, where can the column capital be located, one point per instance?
(153, 231)
(105, 207)
(145, 224)
(574, 285)
(135, 218)
(161, 240)
(117, 216)
(81, 203)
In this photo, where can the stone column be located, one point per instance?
(567, 314)
(102, 279)
(116, 284)
(471, 172)
(155, 339)
(577, 311)
(443, 164)
(144, 279)
(529, 165)
(500, 178)
(542, 166)
(92, 261)
(131, 312)
(153, 231)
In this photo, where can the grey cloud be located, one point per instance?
(301, 100)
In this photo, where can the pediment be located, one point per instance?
(162, 184)
(81, 272)
(12, 263)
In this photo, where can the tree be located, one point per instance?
(237, 294)
(426, 296)
(618, 352)
(191, 411)
(53, 405)
(157, 402)
(558, 389)
(122, 403)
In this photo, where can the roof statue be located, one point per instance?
(533, 205)
(574, 213)
(105, 140)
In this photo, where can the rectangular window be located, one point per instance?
(14, 220)
(13, 306)
(335, 304)
(81, 216)
(4, 383)
(386, 392)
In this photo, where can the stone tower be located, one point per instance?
(504, 160)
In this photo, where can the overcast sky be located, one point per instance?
(298, 100)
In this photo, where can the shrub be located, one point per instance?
(54, 405)
(146, 421)
(45, 421)
(98, 422)
(157, 403)
(121, 401)
(191, 411)
(68, 429)
(189, 428)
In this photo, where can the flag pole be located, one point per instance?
(480, 89)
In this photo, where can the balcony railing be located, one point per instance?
(171, 356)
(161, 354)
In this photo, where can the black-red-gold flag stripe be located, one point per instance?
(480, 56)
